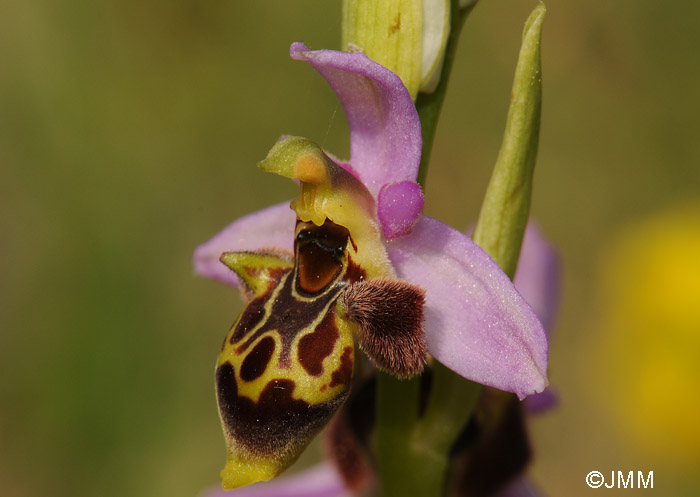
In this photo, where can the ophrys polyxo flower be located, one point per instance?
(475, 321)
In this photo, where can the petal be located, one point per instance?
(476, 323)
(271, 230)
(385, 134)
(538, 275)
(319, 481)
(398, 207)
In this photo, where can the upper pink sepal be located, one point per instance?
(385, 133)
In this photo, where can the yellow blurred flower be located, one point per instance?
(649, 336)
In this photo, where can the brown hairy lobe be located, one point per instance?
(389, 313)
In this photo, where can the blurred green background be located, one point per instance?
(129, 132)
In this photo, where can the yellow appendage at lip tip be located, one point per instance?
(238, 473)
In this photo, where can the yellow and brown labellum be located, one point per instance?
(287, 363)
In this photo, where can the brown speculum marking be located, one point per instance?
(251, 317)
(256, 361)
(316, 346)
(344, 372)
(354, 272)
(287, 317)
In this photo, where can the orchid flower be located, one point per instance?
(354, 257)
(537, 279)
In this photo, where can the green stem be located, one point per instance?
(413, 453)
(452, 400)
(404, 468)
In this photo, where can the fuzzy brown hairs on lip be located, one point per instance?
(390, 317)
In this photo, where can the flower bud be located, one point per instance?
(406, 36)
